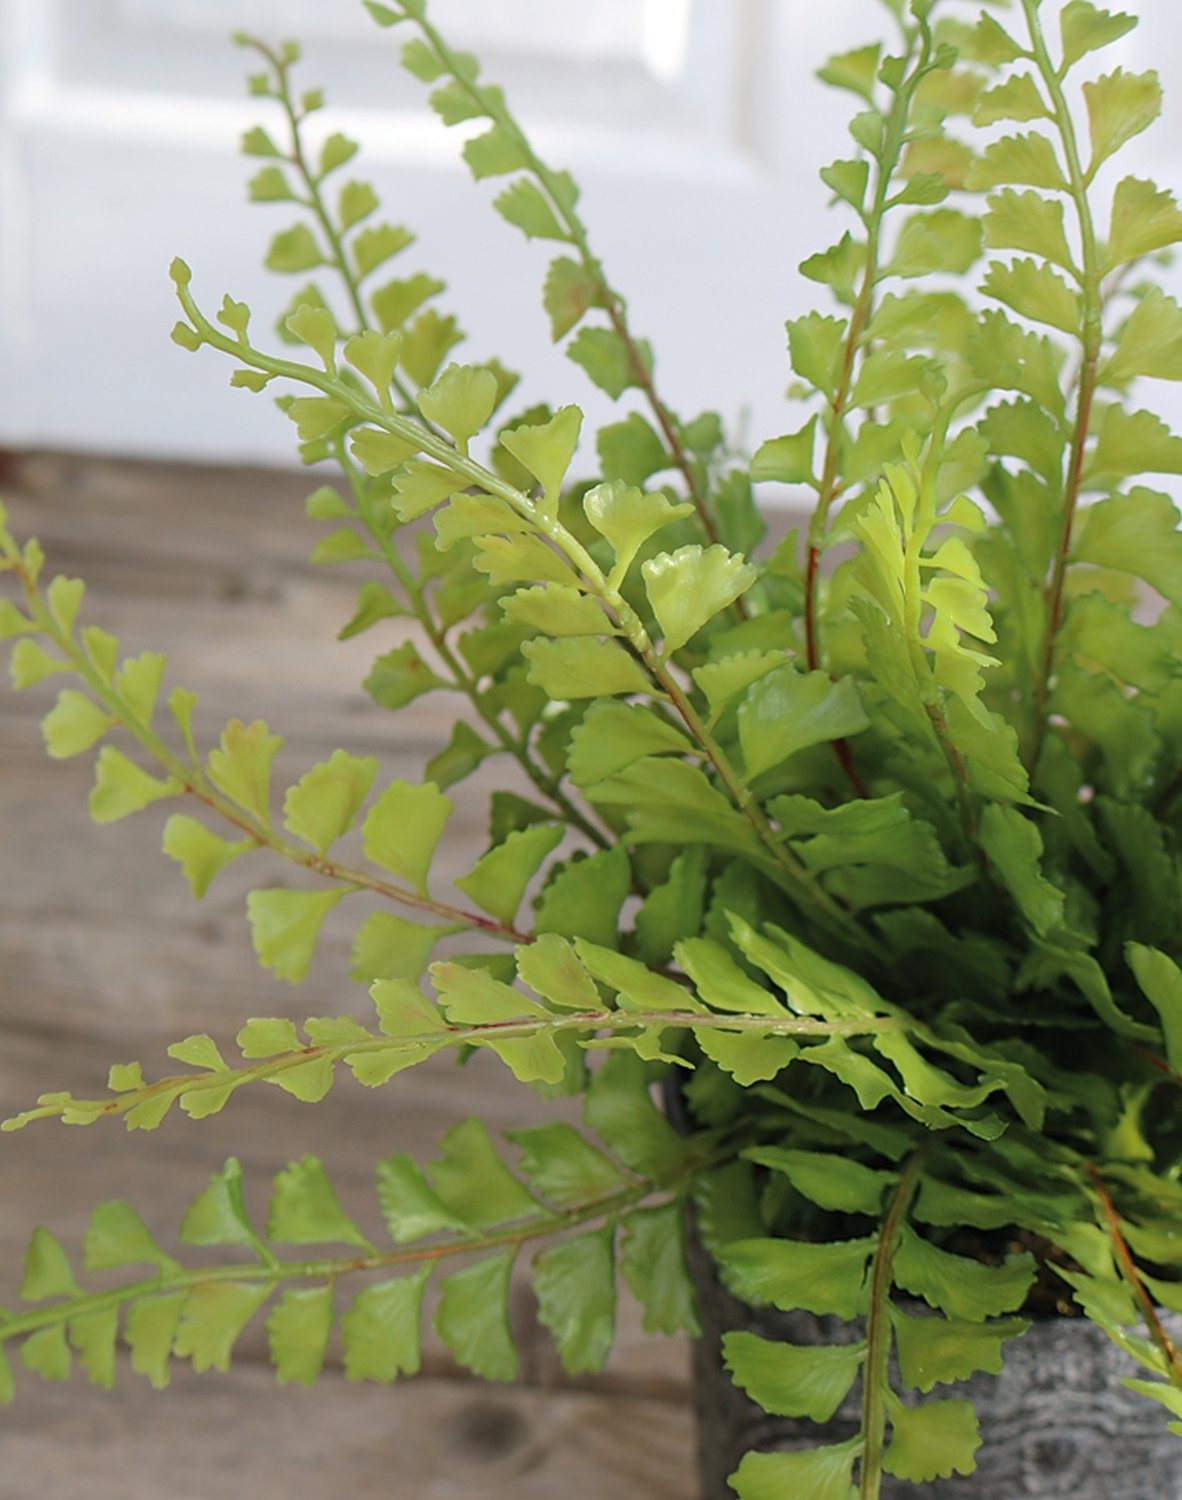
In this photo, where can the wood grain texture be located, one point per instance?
(105, 957)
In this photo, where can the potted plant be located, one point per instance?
(868, 839)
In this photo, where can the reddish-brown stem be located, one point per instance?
(1055, 586)
(1128, 1269)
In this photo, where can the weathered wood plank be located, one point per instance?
(105, 957)
(430, 1439)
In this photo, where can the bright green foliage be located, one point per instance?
(324, 803)
(403, 827)
(824, 1473)
(284, 927)
(200, 853)
(868, 836)
(687, 588)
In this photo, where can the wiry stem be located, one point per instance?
(1091, 338)
(1128, 1269)
(878, 1333)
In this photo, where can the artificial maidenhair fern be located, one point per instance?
(869, 838)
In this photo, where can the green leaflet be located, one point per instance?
(122, 788)
(563, 1167)
(304, 1209)
(1035, 291)
(652, 1260)
(569, 291)
(47, 1270)
(582, 667)
(957, 1285)
(787, 710)
(472, 1317)
(241, 766)
(217, 1216)
(285, 926)
(791, 1381)
(73, 724)
(940, 241)
(687, 588)
(546, 449)
(612, 735)
(401, 676)
(200, 853)
(551, 966)
(932, 1441)
(1144, 218)
(410, 1205)
(1160, 980)
(673, 910)
(668, 801)
(461, 400)
(150, 1331)
(380, 1331)
(612, 362)
(117, 1236)
(787, 459)
(498, 880)
(212, 1317)
(937, 1351)
(1120, 105)
(620, 1112)
(1027, 221)
(1085, 28)
(1027, 159)
(630, 451)
(402, 829)
(474, 1182)
(471, 996)
(557, 609)
(298, 1329)
(390, 947)
(47, 1353)
(838, 1183)
(626, 517)
(790, 1274)
(322, 806)
(575, 1284)
(1149, 343)
(820, 1473)
(1015, 848)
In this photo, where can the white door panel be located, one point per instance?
(694, 126)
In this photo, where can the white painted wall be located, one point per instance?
(694, 126)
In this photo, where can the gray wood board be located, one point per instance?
(105, 957)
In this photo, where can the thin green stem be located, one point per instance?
(876, 1372)
(1091, 338)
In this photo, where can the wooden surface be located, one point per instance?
(105, 957)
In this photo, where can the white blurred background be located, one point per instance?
(694, 126)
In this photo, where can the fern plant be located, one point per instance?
(869, 837)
